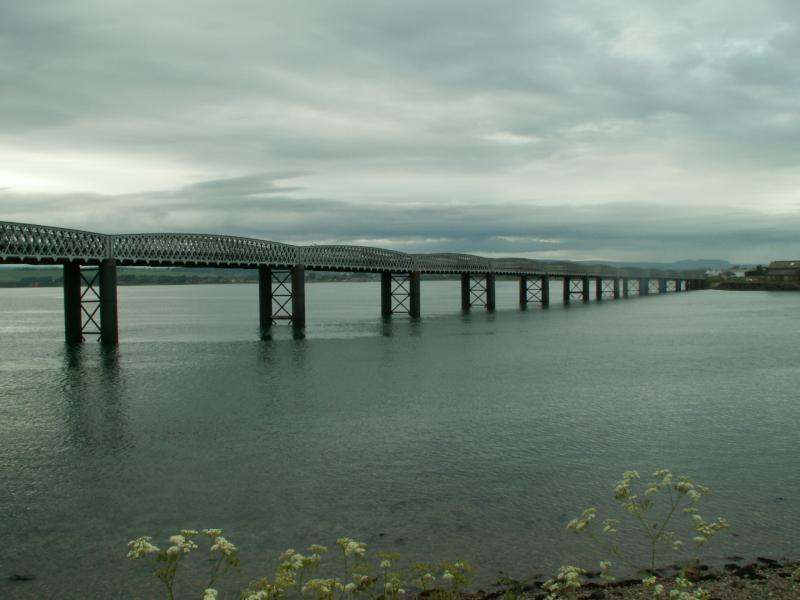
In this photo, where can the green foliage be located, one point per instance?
(641, 503)
(164, 563)
(296, 575)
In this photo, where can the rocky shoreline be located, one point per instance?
(764, 579)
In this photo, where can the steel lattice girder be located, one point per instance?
(28, 243)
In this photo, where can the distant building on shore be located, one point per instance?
(784, 270)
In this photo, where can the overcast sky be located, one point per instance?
(579, 130)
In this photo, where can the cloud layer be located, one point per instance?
(568, 130)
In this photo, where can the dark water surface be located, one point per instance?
(473, 437)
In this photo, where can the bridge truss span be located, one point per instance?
(41, 244)
(356, 258)
(182, 249)
(26, 243)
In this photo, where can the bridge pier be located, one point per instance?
(662, 286)
(576, 288)
(475, 291)
(598, 288)
(678, 285)
(534, 288)
(299, 297)
(616, 288)
(281, 297)
(400, 293)
(644, 287)
(265, 299)
(109, 326)
(90, 302)
(386, 294)
(625, 284)
(72, 303)
(414, 293)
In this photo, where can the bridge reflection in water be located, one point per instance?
(90, 261)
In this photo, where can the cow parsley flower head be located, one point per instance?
(212, 533)
(223, 546)
(141, 547)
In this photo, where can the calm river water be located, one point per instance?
(461, 436)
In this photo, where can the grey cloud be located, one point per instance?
(256, 206)
(345, 105)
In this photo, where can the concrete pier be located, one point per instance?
(598, 288)
(662, 286)
(265, 299)
(465, 299)
(616, 288)
(585, 288)
(567, 289)
(72, 303)
(298, 297)
(523, 291)
(109, 329)
(490, 295)
(414, 292)
(644, 287)
(386, 294)
(545, 282)
(625, 287)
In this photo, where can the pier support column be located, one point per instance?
(662, 286)
(567, 289)
(598, 288)
(678, 285)
(109, 327)
(545, 290)
(625, 286)
(585, 287)
(644, 287)
(299, 297)
(616, 288)
(386, 294)
(490, 281)
(465, 299)
(523, 291)
(414, 292)
(72, 303)
(265, 298)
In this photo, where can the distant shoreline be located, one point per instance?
(754, 286)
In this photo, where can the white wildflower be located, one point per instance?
(141, 547)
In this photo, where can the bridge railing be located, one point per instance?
(451, 263)
(23, 242)
(200, 249)
(40, 243)
(357, 258)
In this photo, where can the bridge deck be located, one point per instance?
(41, 244)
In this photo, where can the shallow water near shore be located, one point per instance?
(459, 436)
